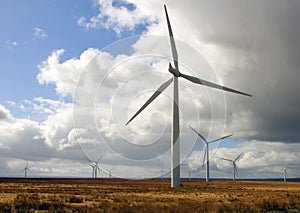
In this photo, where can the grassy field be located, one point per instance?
(114, 195)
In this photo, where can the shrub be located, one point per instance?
(75, 199)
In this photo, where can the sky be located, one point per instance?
(74, 72)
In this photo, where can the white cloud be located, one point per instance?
(5, 113)
(39, 33)
(126, 16)
(42, 105)
(259, 160)
(64, 75)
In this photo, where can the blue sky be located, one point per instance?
(58, 20)
(79, 46)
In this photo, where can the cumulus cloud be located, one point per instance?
(4, 113)
(22, 139)
(64, 75)
(119, 16)
(251, 46)
(259, 159)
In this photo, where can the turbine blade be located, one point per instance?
(203, 138)
(174, 51)
(156, 93)
(238, 157)
(220, 138)
(100, 158)
(226, 159)
(213, 85)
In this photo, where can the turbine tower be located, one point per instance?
(175, 139)
(93, 169)
(285, 172)
(235, 172)
(26, 169)
(190, 173)
(206, 153)
(110, 173)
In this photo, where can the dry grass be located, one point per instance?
(86, 195)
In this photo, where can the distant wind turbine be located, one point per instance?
(235, 171)
(162, 173)
(93, 169)
(175, 139)
(97, 168)
(26, 169)
(110, 173)
(285, 172)
(206, 153)
(190, 173)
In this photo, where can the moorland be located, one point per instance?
(154, 195)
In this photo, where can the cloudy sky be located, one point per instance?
(74, 72)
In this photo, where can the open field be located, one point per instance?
(115, 195)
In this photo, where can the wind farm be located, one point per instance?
(175, 136)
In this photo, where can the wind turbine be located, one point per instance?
(110, 173)
(235, 172)
(97, 166)
(26, 169)
(175, 140)
(190, 173)
(285, 172)
(93, 168)
(162, 172)
(206, 153)
(94, 165)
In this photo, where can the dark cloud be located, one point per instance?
(260, 41)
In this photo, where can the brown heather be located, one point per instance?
(115, 195)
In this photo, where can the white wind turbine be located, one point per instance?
(235, 172)
(93, 169)
(175, 140)
(190, 173)
(110, 173)
(97, 168)
(206, 153)
(26, 169)
(162, 173)
(285, 172)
